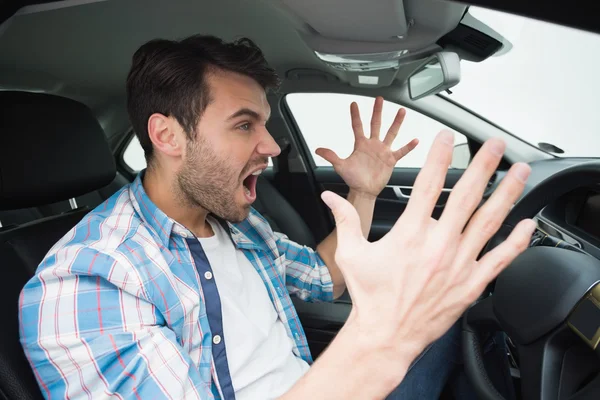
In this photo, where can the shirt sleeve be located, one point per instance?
(85, 337)
(306, 274)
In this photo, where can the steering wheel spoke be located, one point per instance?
(556, 366)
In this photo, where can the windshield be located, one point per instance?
(544, 90)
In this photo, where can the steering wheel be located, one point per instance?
(548, 302)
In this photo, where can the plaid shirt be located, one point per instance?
(125, 306)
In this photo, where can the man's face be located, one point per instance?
(232, 146)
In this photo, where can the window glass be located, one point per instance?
(324, 121)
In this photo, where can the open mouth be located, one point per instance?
(249, 184)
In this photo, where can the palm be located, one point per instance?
(369, 168)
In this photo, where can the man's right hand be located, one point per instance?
(412, 285)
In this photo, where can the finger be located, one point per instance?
(328, 155)
(376, 117)
(404, 150)
(467, 193)
(395, 127)
(488, 219)
(429, 182)
(502, 255)
(347, 221)
(357, 126)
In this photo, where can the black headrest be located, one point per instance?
(51, 149)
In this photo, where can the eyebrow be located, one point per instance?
(245, 112)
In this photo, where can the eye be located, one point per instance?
(245, 126)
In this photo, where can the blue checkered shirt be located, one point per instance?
(120, 306)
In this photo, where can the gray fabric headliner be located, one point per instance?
(84, 51)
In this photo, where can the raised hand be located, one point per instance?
(409, 287)
(369, 168)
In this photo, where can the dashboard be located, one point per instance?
(574, 218)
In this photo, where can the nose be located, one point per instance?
(267, 146)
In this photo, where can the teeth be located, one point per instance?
(257, 172)
(247, 191)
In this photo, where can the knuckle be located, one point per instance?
(466, 202)
(473, 292)
(503, 258)
(411, 241)
(490, 224)
(514, 247)
(521, 244)
(490, 163)
(430, 191)
(507, 194)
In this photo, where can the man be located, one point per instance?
(182, 290)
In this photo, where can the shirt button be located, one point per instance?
(184, 234)
(208, 275)
(216, 339)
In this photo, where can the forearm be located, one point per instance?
(355, 366)
(364, 205)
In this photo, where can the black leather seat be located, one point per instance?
(53, 149)
(281, 215)
(89, 200)
(20, 216)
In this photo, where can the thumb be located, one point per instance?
(347, 221)
(328, 155)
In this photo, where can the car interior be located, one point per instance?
(67, 146)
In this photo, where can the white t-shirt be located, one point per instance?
(259, 352)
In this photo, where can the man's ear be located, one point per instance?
(165, 134)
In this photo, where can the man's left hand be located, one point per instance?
(369, 168)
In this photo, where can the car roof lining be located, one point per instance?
(83, 51)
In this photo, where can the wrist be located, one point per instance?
(356, 194)
(354, 366)
(381, 349)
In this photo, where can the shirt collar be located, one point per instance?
(241, 240)
(165, 227)
(149, 212)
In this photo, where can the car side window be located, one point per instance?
(133, 156)
(324, 121)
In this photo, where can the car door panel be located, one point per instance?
(322, 321)
(392, 201)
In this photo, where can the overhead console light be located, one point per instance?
(363, 62)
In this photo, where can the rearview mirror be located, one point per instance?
(439, 72)
(461, 156)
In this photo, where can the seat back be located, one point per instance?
(17, 217)
(22, 248)
(53, 150)
(89, 200)
(280, 214)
